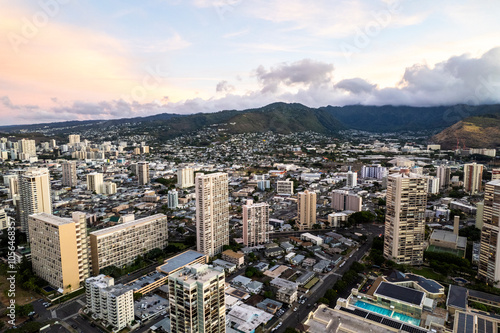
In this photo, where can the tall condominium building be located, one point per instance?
(306, 209)
(373, 171)
(489, 254)
(255, 223)
(69, 174)
(4, 220)
(212, 212)
(343, 200)
(112, 303)
(406, 201)
(433, 185)
(172, 199)
(197, 301)
(13, 183)
(74, 138)
(121, 244)
(59, 249)
(108, 188)
(284, 187)
(185, 177)
(495, 174)
(352, 179)
(444, 175)
(94, 182)
(34, 192)
(27, 147)
(142, 172)
(473, 176)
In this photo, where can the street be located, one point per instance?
(297, 317)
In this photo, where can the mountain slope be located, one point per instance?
(476, 132)
(284, 118)
(390, 118)
(276, 117)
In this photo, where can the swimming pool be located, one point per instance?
(461, 280)
(387, 313)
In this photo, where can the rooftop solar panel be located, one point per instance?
(469, 323)
(401, 293)
(489, 327)
(412, 329)
(481, 327)
(457, 297)
(360, 313)
(374, 317)
(461, 323)
(391, 323)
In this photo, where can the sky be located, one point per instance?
(78, 60)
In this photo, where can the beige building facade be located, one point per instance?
(60, 249)
(185, 177)
(255, 223)
(197, 300)
(306, 209)
(69, 174)
(35, 196)
(406, 202)
(212, 213)
(121, 244)
(489, 253)
(94, 182)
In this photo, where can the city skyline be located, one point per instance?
(70, 61)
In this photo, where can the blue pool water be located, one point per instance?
(387, 313)
(460, 280)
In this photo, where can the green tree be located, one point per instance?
(331, 295)
(357, 267)
(268, 294)
(324, 300)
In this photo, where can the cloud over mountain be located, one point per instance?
(459, 79)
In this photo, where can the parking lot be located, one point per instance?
(149, 306)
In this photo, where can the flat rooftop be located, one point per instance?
(429, 285)
(457, 297)
(196, 273)
(328, 320)
(179, 261)
(52, 219)
(485, 296)
(400, 293)
(127, 225)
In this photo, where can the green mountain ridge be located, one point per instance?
(389, 118)
(280, 118)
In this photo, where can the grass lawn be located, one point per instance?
(181, 246)
(22, 296)
(437, 249)
(311, 283)
(428, 273)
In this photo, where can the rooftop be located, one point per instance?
(51, 219)
(328, 320)
(134, 223)
(232, 254)
(179, 261)
(457, 297)
(197, 273)
(247, 318)
(400, 293)
(429, 285)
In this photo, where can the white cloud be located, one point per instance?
(459, 79)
